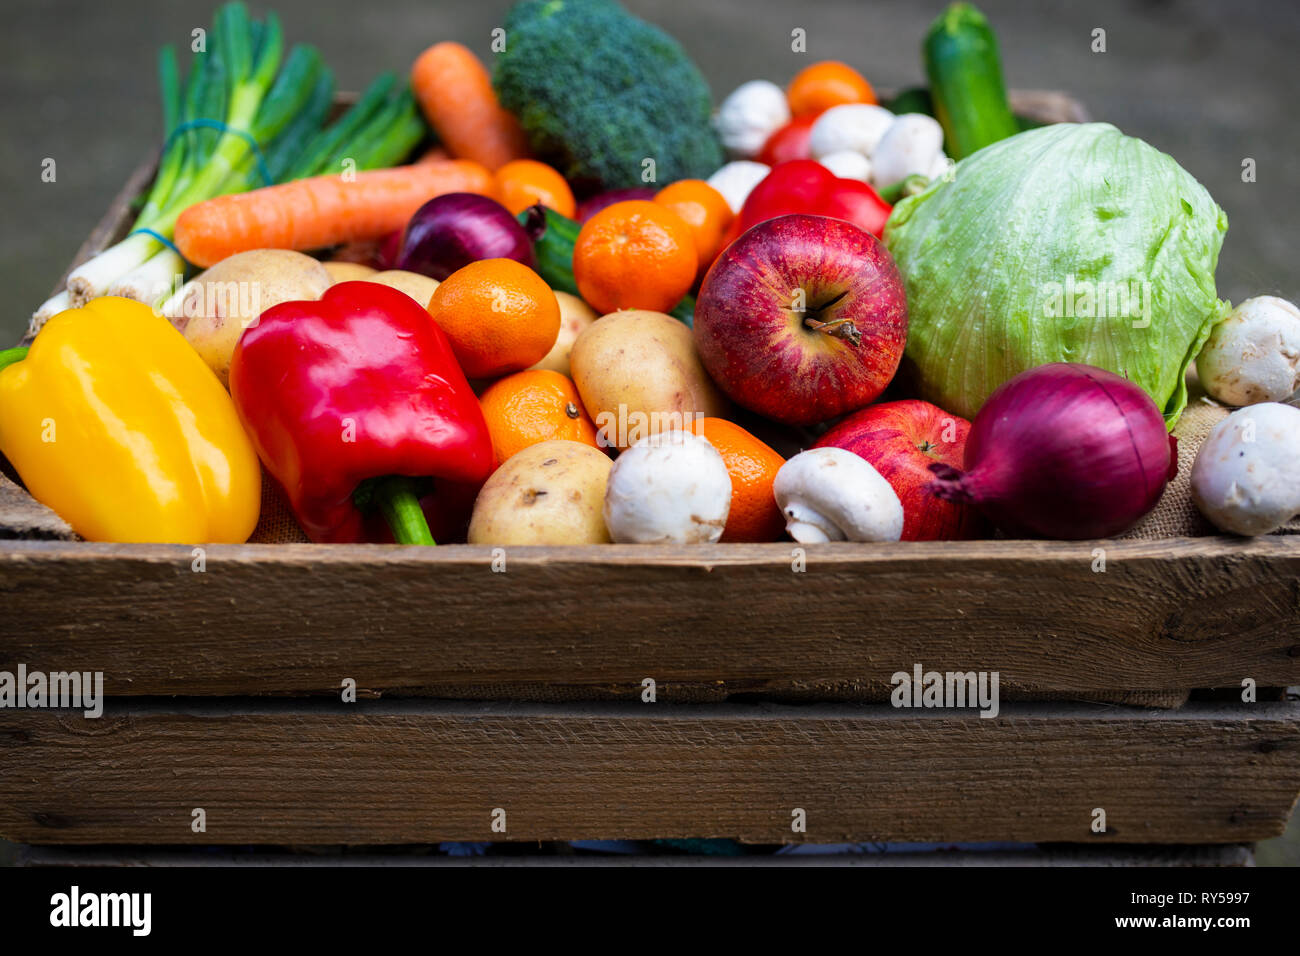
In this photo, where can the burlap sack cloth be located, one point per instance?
(1175, 516)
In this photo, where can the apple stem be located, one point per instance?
(840, 328)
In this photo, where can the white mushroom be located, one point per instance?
(737, 180)
(910, 145)
(851, 126)
(1254, 354)
(749, 115)
(1246, 477)
(831, 494)
(847, 164)
(668, 488)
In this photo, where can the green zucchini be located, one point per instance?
(970, 99)
(684, 311)
(914, 100)
(554, 237)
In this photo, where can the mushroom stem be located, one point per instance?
(809, 526)
(830, 494)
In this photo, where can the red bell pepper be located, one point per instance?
(806, 186)
(352, 402)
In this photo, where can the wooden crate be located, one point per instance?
(523, 691)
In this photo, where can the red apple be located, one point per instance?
(801, 319)
(901, 440)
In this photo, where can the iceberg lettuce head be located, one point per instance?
(1070, 243)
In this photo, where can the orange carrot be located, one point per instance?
(320, 211)
(455, 93)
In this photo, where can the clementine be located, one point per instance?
(634, 255)
(525, 182)
(499, 315)
(531, 407)
(753, 465)
(702, 208)
(818, 87)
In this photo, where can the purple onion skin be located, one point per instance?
(451, 231)
(589, 207)
(1065, 451)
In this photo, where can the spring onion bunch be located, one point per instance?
(247, 115)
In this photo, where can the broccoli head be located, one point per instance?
(599, 92)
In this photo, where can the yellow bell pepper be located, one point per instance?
(116, 423)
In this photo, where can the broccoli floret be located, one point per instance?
(599, 91)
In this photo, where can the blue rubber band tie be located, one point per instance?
(156, 235)
(220, 127)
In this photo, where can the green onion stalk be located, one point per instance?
(250, 73)
(241, 120)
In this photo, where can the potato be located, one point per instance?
(348, 271)
(575, 316)
(418, 287)
(549, 493)
(220, 303)
(638, 374)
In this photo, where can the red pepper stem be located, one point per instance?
(10, 356)
(396, 498)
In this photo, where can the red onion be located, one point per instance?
(451, 231)
(1063, 451)
(589, 207)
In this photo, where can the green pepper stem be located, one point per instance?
(10, 356)
(396, 498)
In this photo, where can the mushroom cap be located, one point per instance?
(1246, 477)
(832, 494)
(669, 488)
(849, 126)
(736, 180)
(750, 114)
(910, 145)
(1254, 354)
(847, 164)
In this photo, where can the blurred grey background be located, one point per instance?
(1210, 81)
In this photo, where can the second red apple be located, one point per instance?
(901, 440)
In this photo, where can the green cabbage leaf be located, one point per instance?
(1070, 243)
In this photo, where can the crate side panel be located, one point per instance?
(300, 619)
(424, 773)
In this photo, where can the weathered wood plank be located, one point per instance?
(300, 618)
(1048, 106)
(381, 773)
(22, 516)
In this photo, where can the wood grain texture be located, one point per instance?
(268, 619)
(1048, 106)
(22, 516)
(420, 773)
